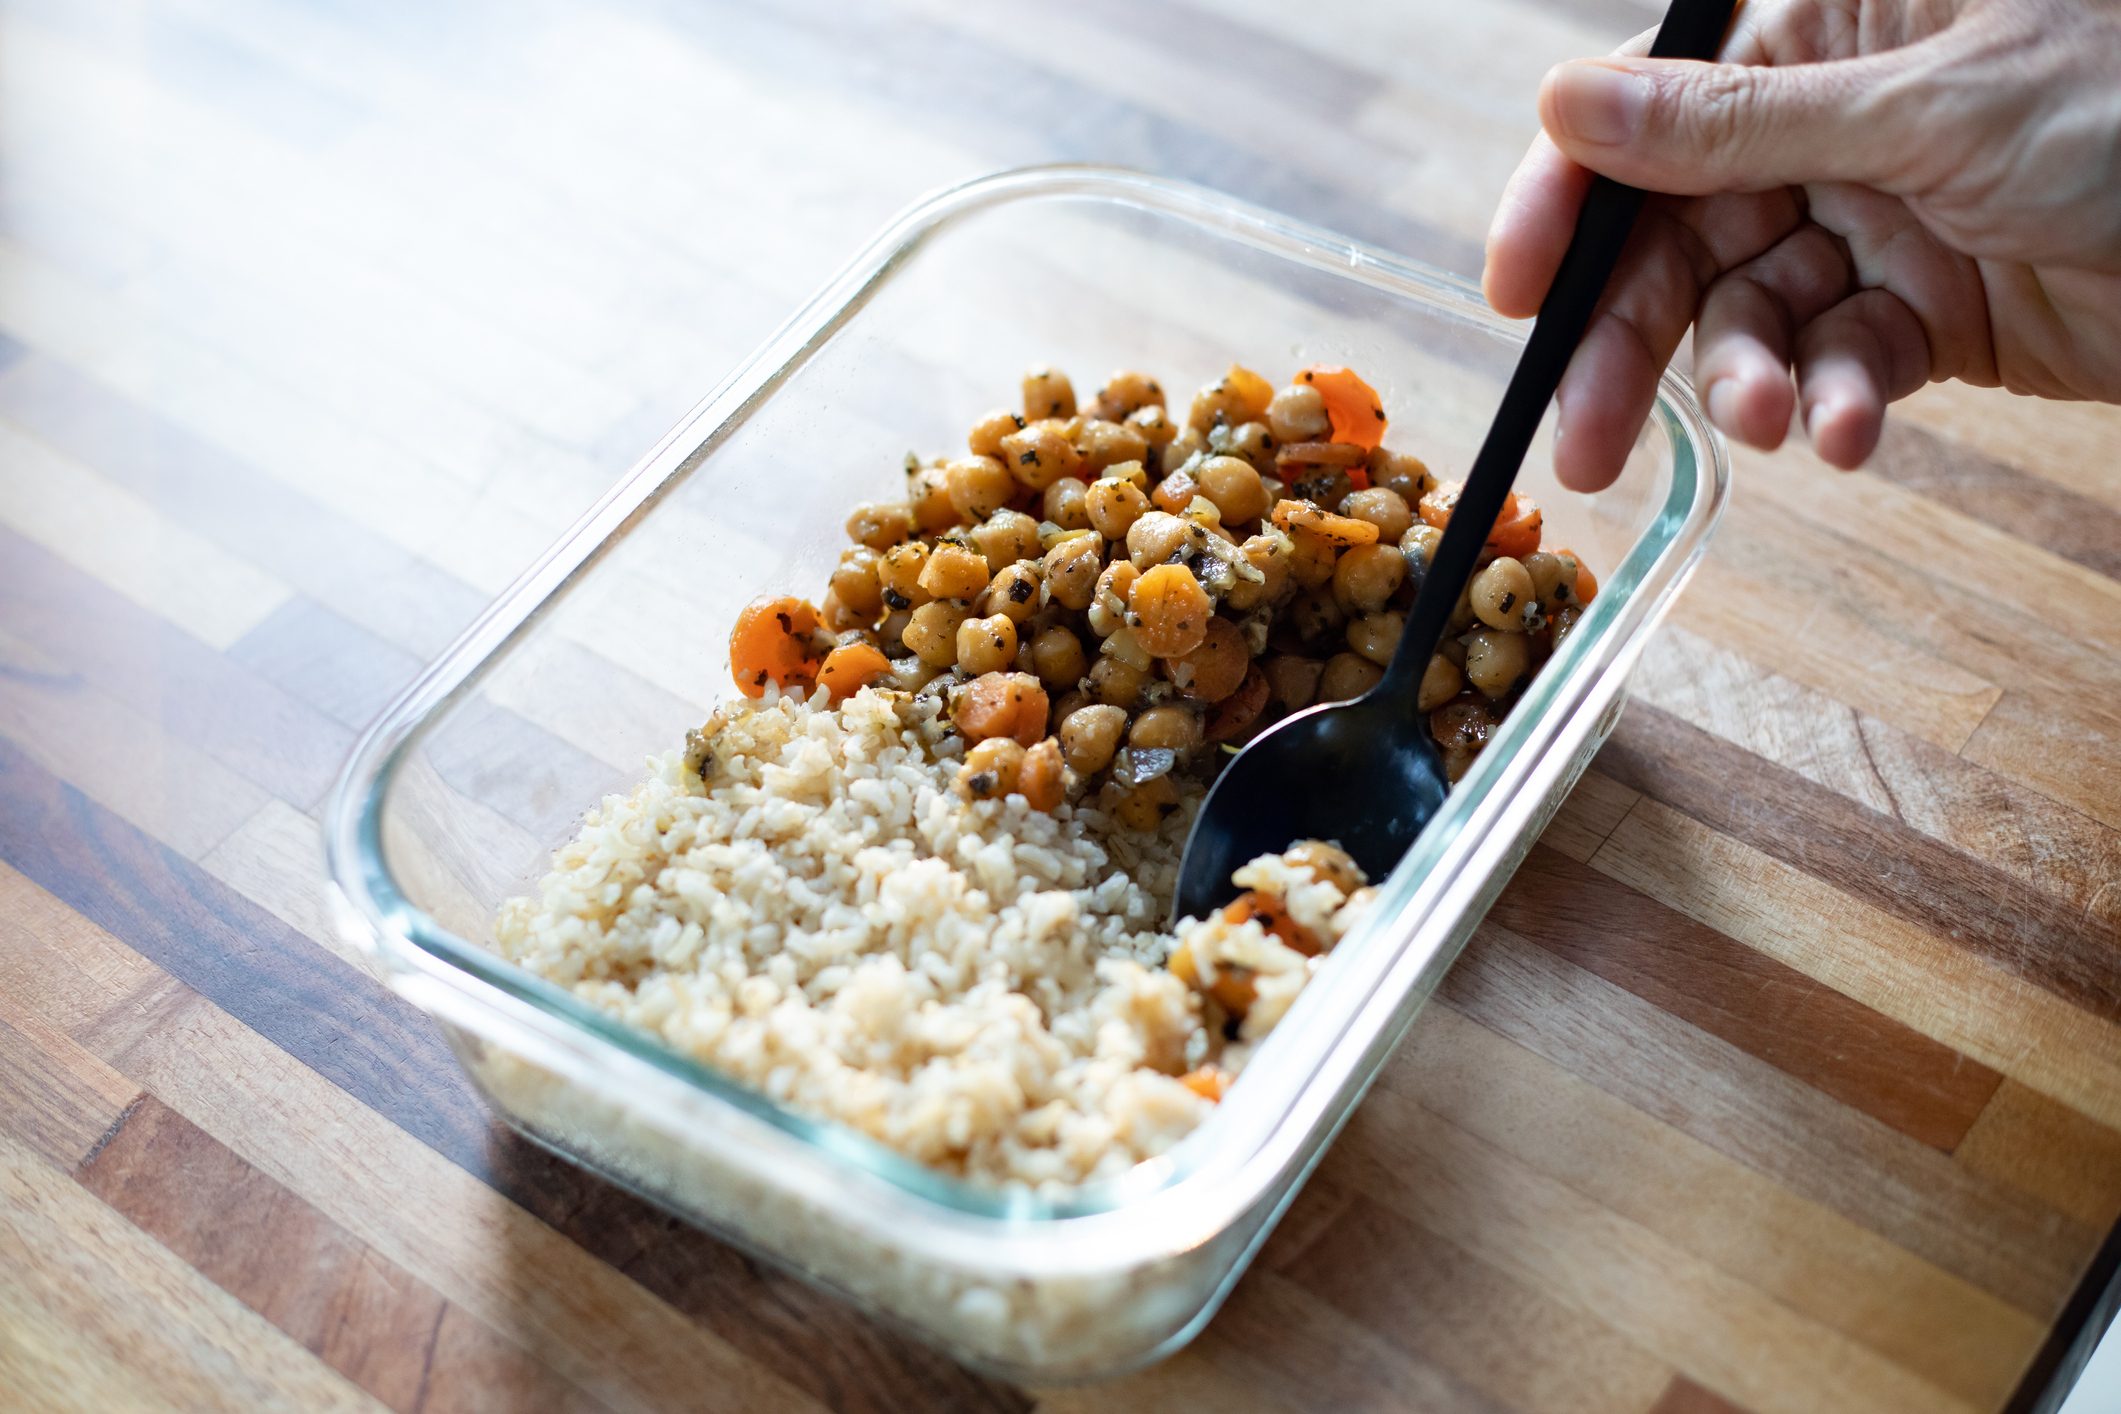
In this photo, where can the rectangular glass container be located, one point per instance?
(613, 645)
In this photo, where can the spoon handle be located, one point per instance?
(1692, 29)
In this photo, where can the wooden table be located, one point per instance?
(1787, 1076)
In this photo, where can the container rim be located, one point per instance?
(1260, 1128)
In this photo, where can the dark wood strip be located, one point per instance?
(361, 1313)
(1867, 1060)
(1988, 1232)
(1872, 856)
(231, 503)
(192, 693)
(2032, 508)
(1683, 1396)
(1211, 40)
(347, 1028)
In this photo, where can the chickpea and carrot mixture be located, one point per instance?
(915, 877)
(1142, 587)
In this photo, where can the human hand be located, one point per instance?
(1872, 194)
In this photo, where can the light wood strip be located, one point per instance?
(59, 1101)
(1864, 952)
(1590, 813)
(1802, 1253)
(95, 1315)
(2050, 1150)
(2049, 440)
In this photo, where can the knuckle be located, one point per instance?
(1716, 107)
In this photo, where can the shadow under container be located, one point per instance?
(612, 646)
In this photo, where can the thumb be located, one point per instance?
(1690, 129)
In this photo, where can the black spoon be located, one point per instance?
(1366, 772)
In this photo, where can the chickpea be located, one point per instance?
(1187, 444)
(931, 632)
(1235, 488)
(1268, 553)
(1001, 704)
(978, 487)
(1146, 806)
(1495, 660)
(1553, 578)
(928, 495)
(1113, 506)
(1159, 537)
(1376, 635)
(1128, 392)
(1462, 616)
(1013, 592)
(1108, 607)
(1367, 576)
(1048, 393)
(1317, 617)
(1298, 414)
(986, 645)
(1057, 658)
(1004, 538)
(1398, 472)
(1347, 676)
(1167, 728)
(1382, 507)
(1119, 684)
(1071, 570)
(1499, 593)
(1222, 401)
(1040, 455)
(991, 769)
(855, 582)
(1216, 669)
(1311, 557)
(1292, 680)
(1171, 611)
(985, 438)
(1440, 682)
(1250, 442)
(892, 631)
(1089, 736)
(1067, 504)
(879, 526)
(1154, 424)
(1104, 444)
(955, 572)
(835, 615)
(899, 573)
(1419, 546)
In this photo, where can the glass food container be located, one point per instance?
(613, 645)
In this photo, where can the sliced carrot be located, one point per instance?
(1586, 582)
(1516, 531)
(1273, 917)
(1210, 1082)
(771, 643)
(851, 667)
(1353, 407)
(1342, 531)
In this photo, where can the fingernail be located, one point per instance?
(1598, 103)
(1722, 402)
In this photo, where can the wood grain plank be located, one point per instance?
(2014, 502)
(2004, 921)
(2048, 1149)
(2057, 442)
(96, 1315)
(1419, 1291)
(2074, 759)
(1986, 1233)
(195, 696)
(1591, 812)
(1933, 985)
(58, 1100)
(368, 1318)
(1864, 1059)
(1939, 793)
(114, 536)
(1685, 1397)
(1708, 1325)
(1817, 1262)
